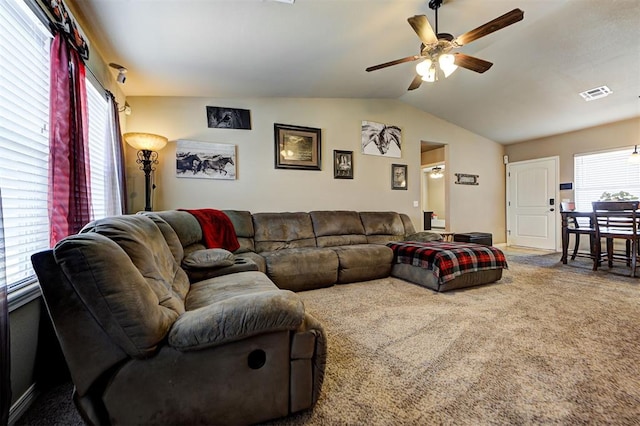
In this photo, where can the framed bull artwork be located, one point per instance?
(228, 118)
(205, 160)
(380, 139)
(399, 176)
(297, 147)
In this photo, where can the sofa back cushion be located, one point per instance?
(186, 227)
(169, 234)
(337, 228)
(382, 227)
(243, 225)
(277, 231)
(408, 224)
(126, 275)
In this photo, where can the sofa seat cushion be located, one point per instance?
(363, 262)
(302, 268)
(230, 308)
(221, 288)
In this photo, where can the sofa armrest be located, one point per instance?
(240, 264)
(237, 318)
(424, 236)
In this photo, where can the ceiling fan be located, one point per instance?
(436, 47)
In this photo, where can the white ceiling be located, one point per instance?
(320, 48)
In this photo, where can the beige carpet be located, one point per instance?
(548, 344)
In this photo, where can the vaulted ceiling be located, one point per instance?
(320, 48)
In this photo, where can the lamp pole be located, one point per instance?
(147, 159)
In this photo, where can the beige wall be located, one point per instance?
(610, 136)
(261, 187)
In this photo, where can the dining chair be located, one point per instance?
(617, 220)
(578, 226)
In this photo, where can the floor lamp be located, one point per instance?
(147, 144)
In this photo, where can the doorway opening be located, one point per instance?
(433, 186)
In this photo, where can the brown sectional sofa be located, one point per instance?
(303, 251)
(153, 337)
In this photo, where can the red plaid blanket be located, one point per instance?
(448, 260)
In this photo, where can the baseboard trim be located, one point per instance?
(23, 403)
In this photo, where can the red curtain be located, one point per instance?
(69, 185)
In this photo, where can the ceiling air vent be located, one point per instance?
(597, 93)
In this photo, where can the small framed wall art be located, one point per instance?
(342, 164)
(228, 118)
(465, 179)
(399, 176)
(297, 147)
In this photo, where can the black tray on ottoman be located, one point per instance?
(474, 237)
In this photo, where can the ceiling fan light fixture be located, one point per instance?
(447, 64)
(431, 75)
(423, 67)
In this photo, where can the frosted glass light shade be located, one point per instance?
(145, 141)
(423, 67)
(447, 64)
(430, 76)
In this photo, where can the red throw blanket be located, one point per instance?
(448, 260)
(217, 229)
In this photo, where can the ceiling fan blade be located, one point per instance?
(417, 81)
(396, 62)
(471, 63)
(497, 24)
(421, 26)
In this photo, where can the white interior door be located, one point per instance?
(532, 203)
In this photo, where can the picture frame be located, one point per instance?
(466, 179)
(297, 147)
(342, 164)
(205, 160)
(399, 176)
(228, 118)
(381, 139)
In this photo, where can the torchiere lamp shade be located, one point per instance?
(145, 141)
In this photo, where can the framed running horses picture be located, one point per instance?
(205, 160)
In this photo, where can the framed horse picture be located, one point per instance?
(296, 147)
(205, 160)
(228, 118)
(342, 164)
(381, 139)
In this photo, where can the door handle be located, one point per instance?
(551, 210)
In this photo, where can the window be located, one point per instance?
(24, 138)
(98, 114)
(608, 171)
(24, 141)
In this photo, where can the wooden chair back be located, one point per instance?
(617, 219)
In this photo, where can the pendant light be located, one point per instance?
(635, 156)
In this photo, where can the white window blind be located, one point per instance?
(24, 138)
(600, 172)
(98, 163)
